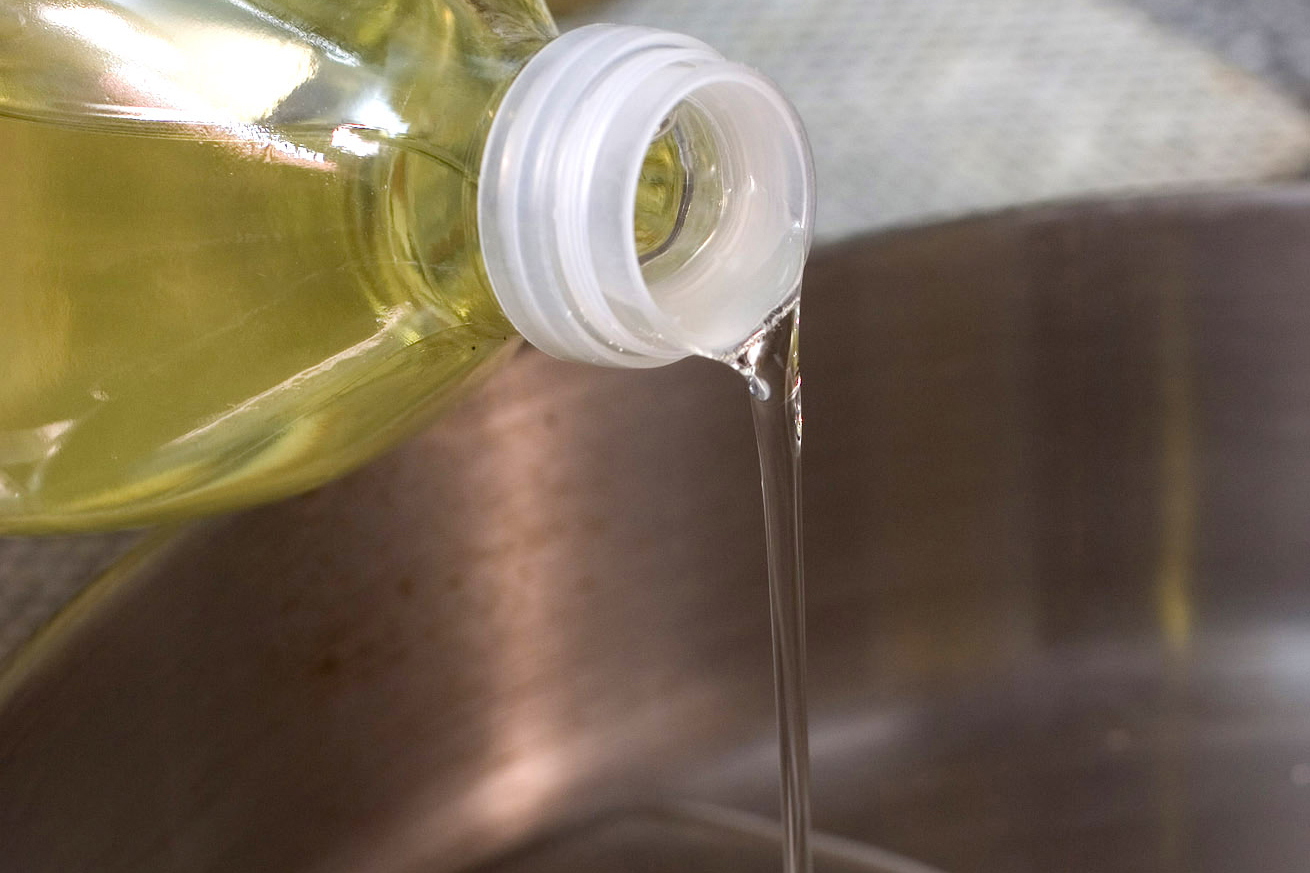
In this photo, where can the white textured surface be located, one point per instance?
(920, 109)
(38, 576)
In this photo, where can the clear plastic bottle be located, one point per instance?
(247, 244)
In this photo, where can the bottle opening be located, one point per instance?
(642, 199)
(728, 248)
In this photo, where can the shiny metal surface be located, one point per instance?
(1057, 493)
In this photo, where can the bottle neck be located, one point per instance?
(642, 199)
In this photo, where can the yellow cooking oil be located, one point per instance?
(238, 251)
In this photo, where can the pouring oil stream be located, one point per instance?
(771, 365)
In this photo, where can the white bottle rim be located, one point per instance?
(557, 189)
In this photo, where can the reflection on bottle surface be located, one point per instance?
(236, 252)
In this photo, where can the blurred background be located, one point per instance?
(920, 110)
(924, 110)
